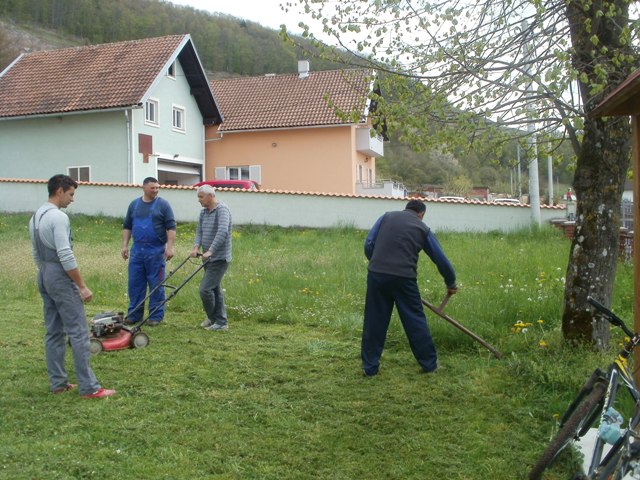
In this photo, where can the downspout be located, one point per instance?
(218, 137)
(129, 147)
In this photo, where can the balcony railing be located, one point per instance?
(386, 188)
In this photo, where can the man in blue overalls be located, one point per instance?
(151, 222)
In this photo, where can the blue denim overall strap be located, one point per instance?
(143, 231)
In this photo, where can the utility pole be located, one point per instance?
(534, 187)
(511, 190)
(519, 175)
(550, 174)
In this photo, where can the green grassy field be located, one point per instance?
(280, 395)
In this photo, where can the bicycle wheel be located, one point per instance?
(597, 376)
(574, 424)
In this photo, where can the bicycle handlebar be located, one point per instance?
(611, 317)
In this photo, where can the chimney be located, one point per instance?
(303, 68)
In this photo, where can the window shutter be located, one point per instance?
(255, 173)
(220, 173)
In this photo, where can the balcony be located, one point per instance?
(368, 145)
(385, 188)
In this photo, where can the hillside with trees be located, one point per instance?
(226, 45)
(229, 46)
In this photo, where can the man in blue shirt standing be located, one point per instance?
(151, 223)
(393, 246)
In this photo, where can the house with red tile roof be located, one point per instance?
(310, 131)
(115, 112)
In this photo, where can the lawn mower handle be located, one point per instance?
(164, 284)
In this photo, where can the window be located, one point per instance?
(151, 112)
(80, 174)
(238, 173)
(252, 172)
(178, 118)
(171, 71)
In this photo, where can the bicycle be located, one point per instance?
(596, 400)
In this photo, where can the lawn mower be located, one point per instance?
(112, 330)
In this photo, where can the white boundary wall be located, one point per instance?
(284, 209)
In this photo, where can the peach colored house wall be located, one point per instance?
(318, 159)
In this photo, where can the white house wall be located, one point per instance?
(167, 142)
(41, 147)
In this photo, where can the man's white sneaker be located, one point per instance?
(206, 323)
(217, 327)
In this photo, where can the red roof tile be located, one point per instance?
(273, 192)
(112, 75)
(285, 101)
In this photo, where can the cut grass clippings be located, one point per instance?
(280, 395)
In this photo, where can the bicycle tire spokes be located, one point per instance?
(609, 399)
(621, 455)
(612, 460)
(596, 399)
(575, 423)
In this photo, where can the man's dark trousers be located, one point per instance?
(382, 292)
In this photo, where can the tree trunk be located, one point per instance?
(602, 165)
(599, 182)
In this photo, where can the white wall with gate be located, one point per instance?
(278, 208)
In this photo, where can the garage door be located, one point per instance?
(178, 173)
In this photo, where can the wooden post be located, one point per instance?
(625, 100)
(635, 140)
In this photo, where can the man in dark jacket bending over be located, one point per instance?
(393, 246)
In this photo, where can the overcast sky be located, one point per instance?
(265, 12)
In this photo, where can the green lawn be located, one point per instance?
(280, 395)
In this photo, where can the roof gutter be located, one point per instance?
(305, 127)
(129, 129)
(214, 139)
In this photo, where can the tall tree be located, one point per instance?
(530, 68)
